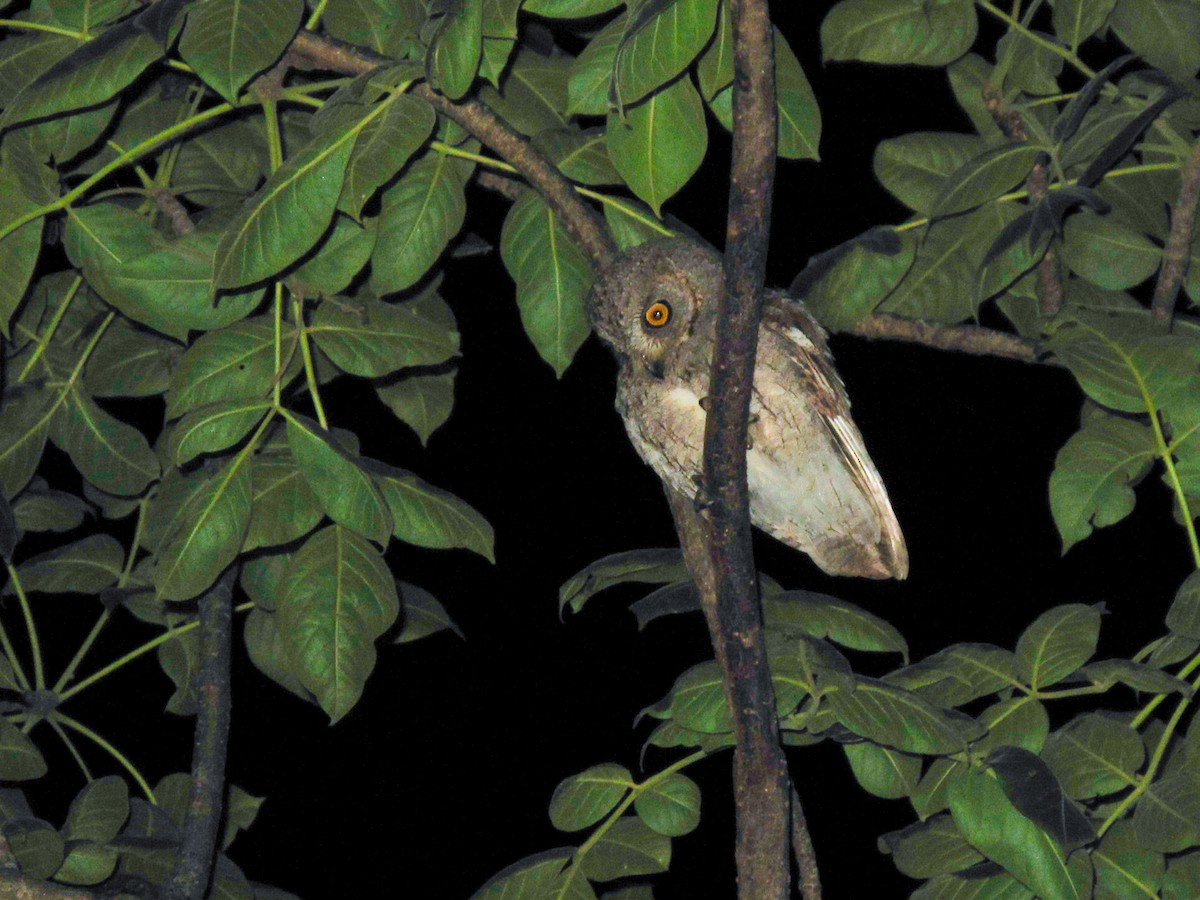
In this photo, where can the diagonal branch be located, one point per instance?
(971, 339)
(201, 826)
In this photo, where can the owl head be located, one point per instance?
(650, 300)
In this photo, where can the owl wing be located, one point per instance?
(860, 535)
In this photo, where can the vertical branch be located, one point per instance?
(1179, 241)
(197, 852)
(717, 542)
(1049, 282)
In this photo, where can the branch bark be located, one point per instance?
(971, 339)
(717, 542)
(1179, 241)
(197, 852)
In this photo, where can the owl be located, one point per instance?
(812, 484)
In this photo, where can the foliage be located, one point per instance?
(196, 223)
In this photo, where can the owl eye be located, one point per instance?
(658, 314)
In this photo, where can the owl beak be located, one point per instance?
(654, 367)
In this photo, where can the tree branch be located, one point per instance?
(197, 852)
(971, 339)
(1179, 241)
(803, 853)
(580, 220)
(717, 542)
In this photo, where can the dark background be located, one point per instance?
(441, 776)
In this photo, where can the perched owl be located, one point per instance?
(812, 484)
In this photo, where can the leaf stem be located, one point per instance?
(1149, 708)
(274, 138)
(1156, 759)
(136, 652)
(66, 739)
(110, 749)
(277, 387)
(22, 25)
(619, 810)
(1043, 42)
(48, 335)
(315, 19)
(39, 673)
(9, 651)
(310, 373)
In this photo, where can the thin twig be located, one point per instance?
(1179, 241)
(176, 212)
(197, 851)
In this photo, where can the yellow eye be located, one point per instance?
(658, 314)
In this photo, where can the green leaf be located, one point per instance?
(629, 847)
(715, 69)
(337, 260)
(530, 879)
(1094, 473)
(241, 809)
(98, 811)
(343, 488)
(214, 427)
(228, 42)
(1126, 868)
(1183, 618)
(1138, 676)
(591, 75)
(130, 363)
(930, 848)
(95, 72)
(670, 806)
(889, 715)
(110, 454)
(661, 40)
(455, 48)
(382, 149)
(993, 826)
(822, 616)
(959, 674)
(882, 771)
(340, 598)
(913, 166)
(581, 155)
(659, 143)
(423, 402)
(552, 275)
(370, 338)
(1058, 642)
(798, 116)
(533, 94)
(87, 863)
(1168, 815)
(1166, 33)
(1183, 876)
(586, 798)
(984, 177)
(180, 660)
(652, 566)
(19, 250)
(19, 759)
(1016, 722)
(222, 165)
(39, 508)
(423, 615)
(286, 216)
(283, 506)
(420, 214)
(29, 56)
(168, 287)
(925, 32)
(1077, 20)
(427, 516)
(37, 846)
(368, 23)
(268, 652)
(26, 425)
(234, 363)
(857, 282)
(206, 531)
(87, 566)
(1094, 755)
(1107, 253)
(968, 75)
(1025, 65)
